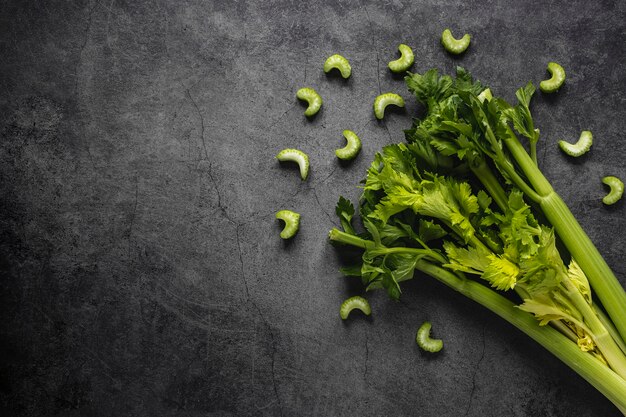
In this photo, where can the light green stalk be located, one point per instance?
(604, 282)
(482, 171)
(600, 335)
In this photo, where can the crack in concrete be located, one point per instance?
(220, 206)
(306, 59)
(482, 356)
(206, 153)
(322, 207)
(273, 354)
(133, 215)
(375, 44)
(243, 273)
(329, 175)
(84, 45)
(280, 403)
(365, 125)
(275, 122)
(260, 314)
(90, 156)
(301, 187)
(378, 71)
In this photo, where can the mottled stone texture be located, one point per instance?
(142, 273)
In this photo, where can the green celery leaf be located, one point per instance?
(372, 181)
(392, 233)
(345, 211)
(430, 87)
(470, 260)
(462, 193)
(398, 200)
(579, 279)
(544, 309)
(392, 286)
(373, 230)
(520, 115)
(491, 239)
(399, 158)
(465, 82)
(525, 94)
(501, 273)
(402, 265)
(484, 201)
(429, 230)
(351, 271)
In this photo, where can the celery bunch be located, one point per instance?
(463, 201)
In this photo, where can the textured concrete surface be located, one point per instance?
(142, 273)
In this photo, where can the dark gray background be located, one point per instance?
(142, 272)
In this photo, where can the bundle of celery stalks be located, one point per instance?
(464, 201)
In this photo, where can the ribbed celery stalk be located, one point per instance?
(591, 369)
(605, 284)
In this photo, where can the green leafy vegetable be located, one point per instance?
(452, 203)
(345, 211)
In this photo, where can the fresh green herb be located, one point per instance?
(424, 340)
(485, 95)
(313, 99)
(297, 156)
(405, 61)
(556, 80)
(345, 212)
(579, 148)
(352, 148)
(451, 203)
(453, 45)
(351, 303)
(382, 101)
(617, 190)
(338, 62)
(292, 223)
